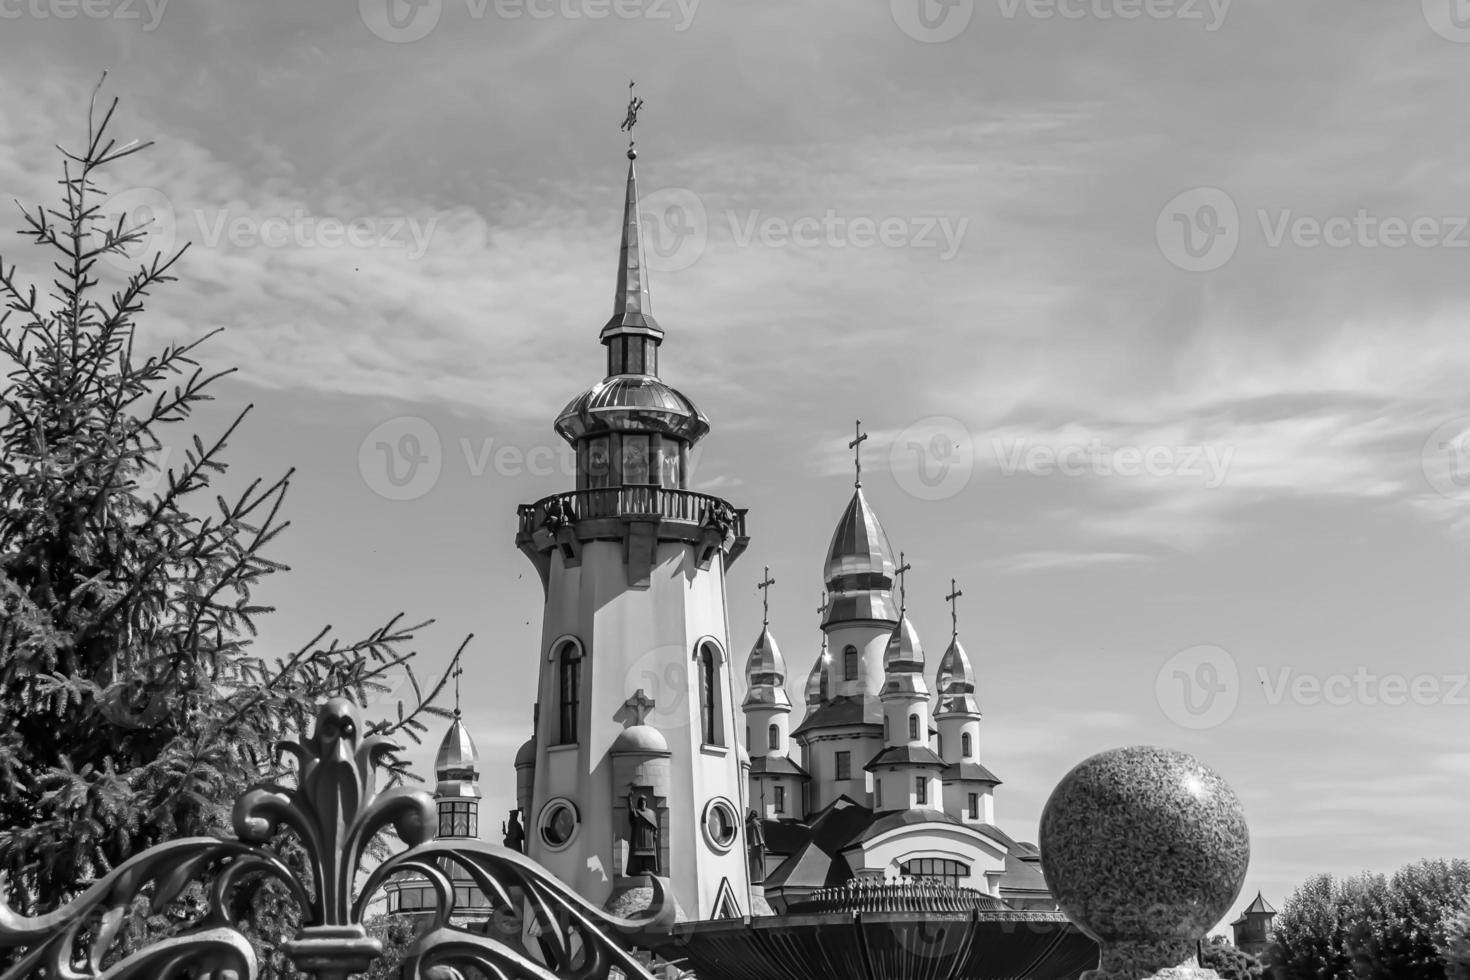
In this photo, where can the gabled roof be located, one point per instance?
(906, 755)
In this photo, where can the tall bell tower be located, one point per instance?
(634, 769)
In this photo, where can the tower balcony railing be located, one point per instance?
(611, 503)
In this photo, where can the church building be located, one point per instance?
(643, 764)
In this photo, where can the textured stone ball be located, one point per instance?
(1144, 844)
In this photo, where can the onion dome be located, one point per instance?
(639, 402)
(456, 764)
(526, 756)
(860, 567)
(903, 661)
(640, 740)
(457, 752)
(956, 681)
(765, 674)
(816, 682)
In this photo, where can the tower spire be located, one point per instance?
(632, 303)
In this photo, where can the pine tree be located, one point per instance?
(134, 703)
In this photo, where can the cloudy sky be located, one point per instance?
(1153, 312)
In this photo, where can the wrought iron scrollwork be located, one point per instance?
(335, 811)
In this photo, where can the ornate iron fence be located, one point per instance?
(335, 811)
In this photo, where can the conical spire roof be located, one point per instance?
(632, 303)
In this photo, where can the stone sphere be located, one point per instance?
(1144, 845)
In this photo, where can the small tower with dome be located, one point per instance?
(776, 782)
(969, 788)
(906, 772)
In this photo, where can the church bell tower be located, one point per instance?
(634, 769)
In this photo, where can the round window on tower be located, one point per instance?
(720, 825)
(558, 824)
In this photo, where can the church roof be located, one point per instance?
(905, 755)
(859, 555)
(969, 772)
(777, 765)
(1022, 878)
(904, 818)
(904, 652)
(1257, 907)
(815, 847)
(956, 681)
(631, 401)
(815, 680)
(765, 673)
(457, 751)
(843, 711)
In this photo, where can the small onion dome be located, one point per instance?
(526, 756)
(816, 682)
(640, 740)
(860, 556)
(956, 681)
(637, 402)
(904, 651)
(457, 752)
(765, 674)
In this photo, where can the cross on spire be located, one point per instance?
(765, 587)
(903, 567)
(822, 609)
(954, 617)
(857, 451)
(640, 705)
(634, 104)
(457, 671)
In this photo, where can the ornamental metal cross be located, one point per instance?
(765, 587)
(640, 704)
(457, 671)
(954, 618)
(857, 451)
(903, 597)
(634, 104)
(822, 609)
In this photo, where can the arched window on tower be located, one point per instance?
(569, 692)
(773, 738)
(913, 728)
(850, 664)
(711, 716)
(965, 745)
